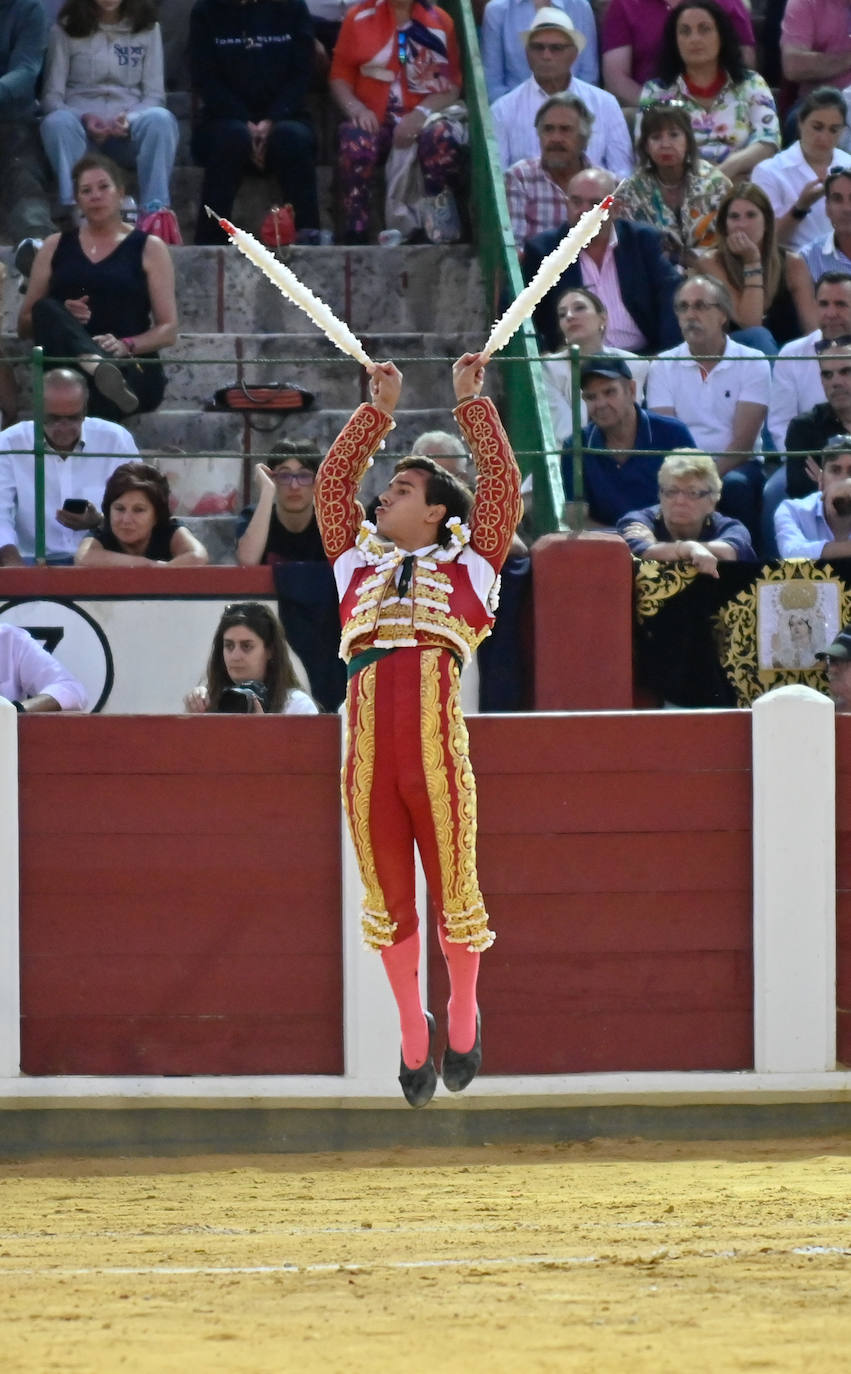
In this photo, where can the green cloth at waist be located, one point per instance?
(363, 660)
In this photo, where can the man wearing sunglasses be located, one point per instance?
(281, 527)
(552, 47)
(79, 455)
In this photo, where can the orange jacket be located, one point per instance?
(367, 58)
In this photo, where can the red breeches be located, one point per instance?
(407, 779)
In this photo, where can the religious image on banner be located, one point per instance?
(795, 621)
(705, 641)
(769, 635)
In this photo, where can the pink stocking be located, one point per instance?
(402, 965)
(463, 975)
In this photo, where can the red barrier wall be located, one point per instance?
(843, 888)
(180, 895)
(181, 877)
(615, 856)
(583, 623)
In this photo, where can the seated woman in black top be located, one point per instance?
(103, 294)
(137, 530)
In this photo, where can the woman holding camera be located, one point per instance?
(250, 659)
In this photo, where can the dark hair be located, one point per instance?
(568, 102)
(662, 114)
(840, 443)
(833, 175)
(93, 161)
(280, 674)
(81, 18)
(833, 278)
(730, 59)
(823, 98)
(138, 477)
(770, 259)
(442, 488)
(305, 451)
(598, 304)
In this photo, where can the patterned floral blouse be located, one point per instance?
(739, 115)
(689, 227)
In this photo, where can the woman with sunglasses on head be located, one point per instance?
(281, 527)
(249, 651)
(396, 65)
(675, 190)
(732, 110)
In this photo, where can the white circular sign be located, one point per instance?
(72, 636)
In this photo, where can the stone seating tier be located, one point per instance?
(392, 299)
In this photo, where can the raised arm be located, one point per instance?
(497, 506)
(338, 511)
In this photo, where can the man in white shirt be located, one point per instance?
(720, 389)
(504, 24)
(70, 473)
(796, 381)
(32, 679)
(552, 47)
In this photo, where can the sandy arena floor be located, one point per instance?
(591, 1257)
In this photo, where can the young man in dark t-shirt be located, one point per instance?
(282, 527)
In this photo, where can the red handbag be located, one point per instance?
(163, 223)
(278, 227)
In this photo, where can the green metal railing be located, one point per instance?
(525, 410)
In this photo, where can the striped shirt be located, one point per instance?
(622, 330)
(535, 202)
(824, 256)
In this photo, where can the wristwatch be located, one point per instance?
(797, 213)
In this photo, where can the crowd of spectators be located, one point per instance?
(726, 270)
(711, 312)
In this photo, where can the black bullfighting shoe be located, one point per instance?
(418, 1085)
(459, 1070)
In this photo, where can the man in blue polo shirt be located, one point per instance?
(619, 475)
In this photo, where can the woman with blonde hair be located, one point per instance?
(770, 287)
(685, 526)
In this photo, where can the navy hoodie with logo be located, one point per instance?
(251, 59)
(23, 39)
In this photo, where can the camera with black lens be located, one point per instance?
(239, 698)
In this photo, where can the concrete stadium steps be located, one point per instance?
(219, 481)
(408, 289)
(392, 298)
(201, 363)
(311, 361)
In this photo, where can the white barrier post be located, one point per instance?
(370, 1019)
(10, 989)
(794, 874)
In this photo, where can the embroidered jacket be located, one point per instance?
(453, 591)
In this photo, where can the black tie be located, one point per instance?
(405, 575)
